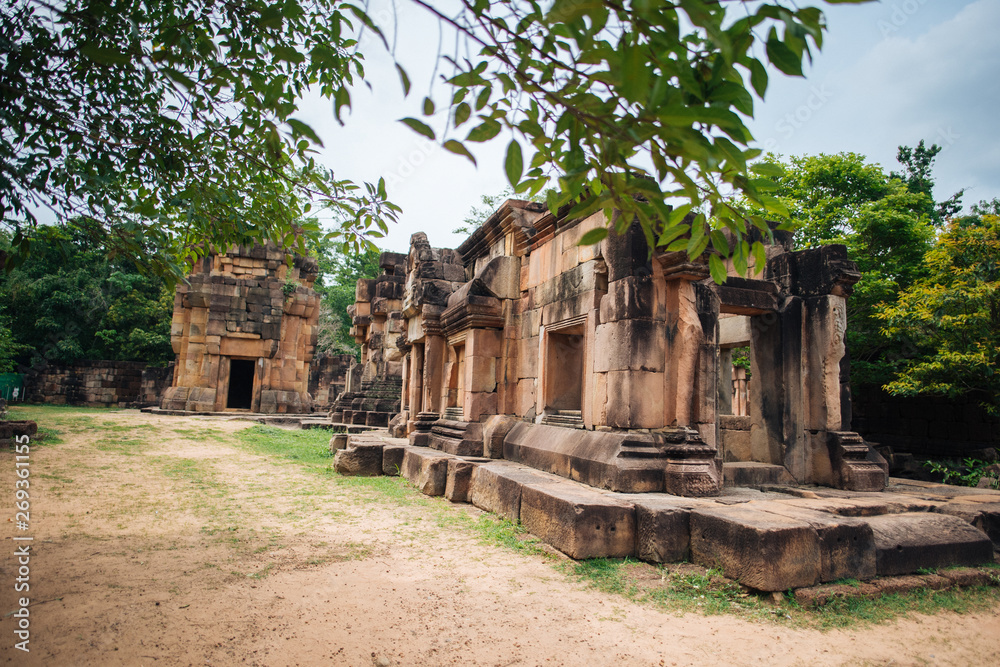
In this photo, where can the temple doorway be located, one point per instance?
(564, 356)
(241, 377)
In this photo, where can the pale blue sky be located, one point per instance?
(890, 73)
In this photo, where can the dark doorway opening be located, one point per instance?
(241, 373)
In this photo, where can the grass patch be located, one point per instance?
(308, 447)
(849, 612)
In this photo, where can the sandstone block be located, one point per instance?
(495, 430)
(459, 480)
(905, 543)
(338, 442)
(426, 469)
(496, 487)
(761, 550)
(579, 522)
(663, 530)
(392, 459)
(363, 460)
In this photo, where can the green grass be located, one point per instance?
(710, 593)
(307, 447)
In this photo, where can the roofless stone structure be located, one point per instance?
(609, 364)
(244, 331)
(586, 392)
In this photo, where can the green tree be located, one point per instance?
(918, 165)
(68, 302)
(172, 122)
(954, 314)
(887, 228)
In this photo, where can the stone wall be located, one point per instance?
(328, 378)
(98, 383)
(923, 426)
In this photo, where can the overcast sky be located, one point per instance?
(890, 73)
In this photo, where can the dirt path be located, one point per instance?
(159, 541)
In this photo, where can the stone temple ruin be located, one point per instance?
(244, 331)
(586, 391)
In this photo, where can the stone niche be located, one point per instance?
(244, 331)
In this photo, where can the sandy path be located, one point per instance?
(190, 551)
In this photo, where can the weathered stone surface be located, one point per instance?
(496, 487)
(663, 530)
(338, 442)
(426, 469)
(364, 460)
(392, 459)
(847, 545)
(495, 429)
(579, 522)
(905, 543)
(459, 479)
(761, 550)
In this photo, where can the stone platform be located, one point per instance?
(771, 538)
(305, 420)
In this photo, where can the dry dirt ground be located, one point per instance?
(162, 541)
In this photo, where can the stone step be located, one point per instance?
(912, 541)
(754, 475)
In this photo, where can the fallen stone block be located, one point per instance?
(847, 545)
(495, 430)
(363, 460)
(579, 522)
(459, 479)
(392, 459)
(983, 515)
(765, 551)
(905, 543)
(496, 487)
(426, 469)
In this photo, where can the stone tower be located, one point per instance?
(244, 331)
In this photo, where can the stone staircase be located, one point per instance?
(564, 418)
(374, 405)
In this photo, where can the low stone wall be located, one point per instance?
(924, 426)
(98, 383)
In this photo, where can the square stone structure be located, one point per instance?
(244, 331)
(611, 364)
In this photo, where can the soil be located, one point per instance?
(158, 543)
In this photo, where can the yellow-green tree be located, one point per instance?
(954, 315)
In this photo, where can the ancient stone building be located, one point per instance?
(610, 364)
(244, 330)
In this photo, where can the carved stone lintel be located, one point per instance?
(856, 466)
(692, 469)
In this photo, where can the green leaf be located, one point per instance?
(301, 129)
(758, 77)
(484, 132)
(760, 256)
(457, 148)
(773, 204)
(783, 57)
(287, 53)
(105, 56)
(718, 269)
(428, 106)
(419, 127)
(404, 79)
(462, 113)
(768, 169)
(513, 164)
(593, 236)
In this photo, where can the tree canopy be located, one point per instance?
(68, 302)
(173, 122)
(953, 314)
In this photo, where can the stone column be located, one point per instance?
(435, 356)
